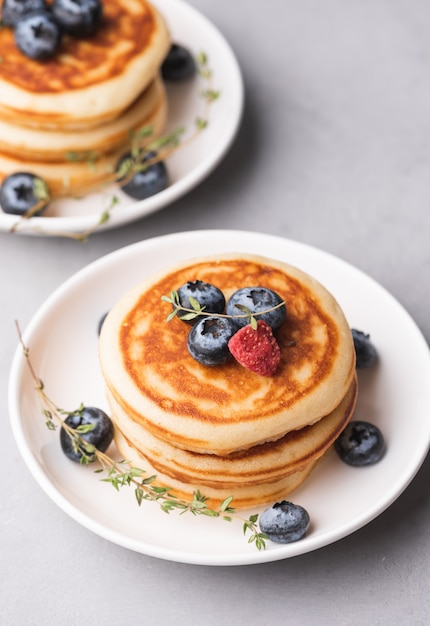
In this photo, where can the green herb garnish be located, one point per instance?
(187, 314)
(123, 474)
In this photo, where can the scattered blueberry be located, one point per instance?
(21, 191)
(100, 436)
(78, 18)
(208, 340)
(361, 443)
(284, 522)
(365, 351)
(14, 10)
(257, 299)
(179, 64)
(38, 36)
(147, 180)
(207, 295)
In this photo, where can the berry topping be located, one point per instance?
(208, 340)
(38, 36)
(99, 436)
(78, 18)
(284, 522)
(361, 443)
(365, 351)
(21, 192)
(141, 181)
(255, 300)
(256, 349)
(209, 298)
(14, 10)
(178, 65)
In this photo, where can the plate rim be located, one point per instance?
(18, 368)
(137, 210)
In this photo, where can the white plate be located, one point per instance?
(63, 343)
(191, 163)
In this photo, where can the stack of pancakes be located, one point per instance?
(225, 430)
(70, 118)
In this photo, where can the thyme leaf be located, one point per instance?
(122, 473)
(185, 313)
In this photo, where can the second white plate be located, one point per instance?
(192, 162)
(63, 345)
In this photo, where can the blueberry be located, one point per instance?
(78, 18)
(100, 436)
(207, 295)
(284, 522)
(38, 36)
(20, 192)
(101, 322)
(365, 351)
(146, 180)
(361, 443)
(257, 299)
(14, 10)
(179, 64)
(208, 340)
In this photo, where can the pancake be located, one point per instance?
(243, 497)
(258, 465)
(56, 145)
(76, 174)
(90, 81)
(219, 410)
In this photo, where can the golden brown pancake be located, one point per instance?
(265, 463)
(56, 146)
(76, 173)
(89, 162)
(245, 496)
(222, 409)
(90, 81)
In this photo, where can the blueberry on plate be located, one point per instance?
(100, 436)
(208, 340)
(365, 351)
(284, 522)
(179, 64)
(21, 192)
(257, 299)
(207, 295)
(360, 443)
(14, 10)
(142, 181)
(38, 36)
(78, 18)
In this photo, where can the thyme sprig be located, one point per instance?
(197, 310)
(122, 473)
(145, 150)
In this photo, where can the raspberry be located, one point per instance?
(257, 350)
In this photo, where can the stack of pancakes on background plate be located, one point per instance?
(225, 430)
(69, 119)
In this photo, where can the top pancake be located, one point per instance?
(91, 80)
(148, 370)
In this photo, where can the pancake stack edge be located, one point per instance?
(225, 430)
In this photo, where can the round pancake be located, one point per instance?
(149, 372)
(76, 177)
(244, 496)
(55, 145)
(90, 80)
(259, 464)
